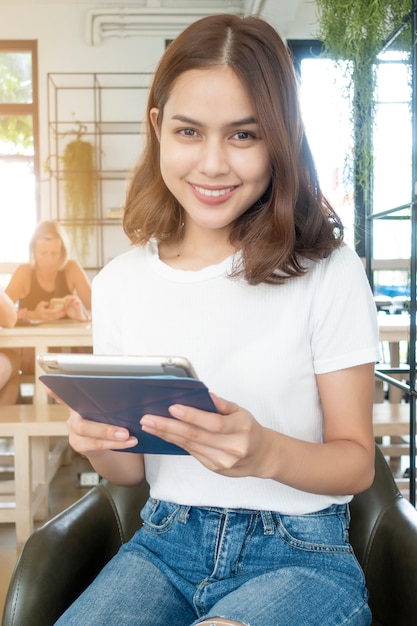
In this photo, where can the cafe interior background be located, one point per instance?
(93, 62)
(84, 69)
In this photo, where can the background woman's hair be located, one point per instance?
(292, 220)
(50, 229)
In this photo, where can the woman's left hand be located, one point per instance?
(230, 442)
(74, 309)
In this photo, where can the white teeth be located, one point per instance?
(213, 192)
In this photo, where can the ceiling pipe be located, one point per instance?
(153, 21)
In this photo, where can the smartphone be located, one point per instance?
(57, 303)
(115, 365)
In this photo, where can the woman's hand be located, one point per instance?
(73, 308)
(42, 313)
(102, 443)
(230, 442)
(94, 438)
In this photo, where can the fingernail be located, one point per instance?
(147, 422)
(176, 410)
(121, 435)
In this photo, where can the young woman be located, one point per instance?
(49, 275)
(9, 362)
(239, 265)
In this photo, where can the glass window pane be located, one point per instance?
(16, 135)
(16, 77)
(393, 135)
(326, 115)
(18, 210)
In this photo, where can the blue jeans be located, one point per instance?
(261, 568)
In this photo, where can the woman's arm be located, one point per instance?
(344, 462)
(77, 281)
(8, 313)
(19, 283)
(233, 443)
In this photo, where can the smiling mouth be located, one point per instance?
(213, 193)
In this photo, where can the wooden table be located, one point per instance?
(25, 498)
(42, 337)
(32, 425)
(394, 329)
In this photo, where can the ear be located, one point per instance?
(153, 118)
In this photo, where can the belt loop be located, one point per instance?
(268, 523)
(183, 513)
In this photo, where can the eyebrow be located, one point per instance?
(243, 122)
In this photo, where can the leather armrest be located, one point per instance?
(62, 557)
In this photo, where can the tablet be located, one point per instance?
(122, 400)
(115, 365)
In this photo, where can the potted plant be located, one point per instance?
(80, 178)
(355, 31)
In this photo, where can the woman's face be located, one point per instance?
(213, 157)
(48, 254)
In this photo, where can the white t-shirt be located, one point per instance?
(259, 346)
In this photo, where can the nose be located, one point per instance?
(213, 158)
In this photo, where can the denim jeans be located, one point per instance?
(260, 568)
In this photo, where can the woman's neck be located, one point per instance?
(195, 253)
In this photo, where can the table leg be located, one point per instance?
(23, 486)
(40, 396)
(394, 394)
(40, 482)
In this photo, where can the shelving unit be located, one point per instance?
(404, 212)
(107, 110)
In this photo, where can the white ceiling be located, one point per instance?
(294, 18)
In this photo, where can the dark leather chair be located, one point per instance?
(63, 556)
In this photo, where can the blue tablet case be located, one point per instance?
(123, 400)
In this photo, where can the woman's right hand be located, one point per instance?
(94, 438)
(101, 444)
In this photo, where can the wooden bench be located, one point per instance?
(31, 426)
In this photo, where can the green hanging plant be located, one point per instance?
(355, 31)
(80, 177)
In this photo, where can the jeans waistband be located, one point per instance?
(267, 517)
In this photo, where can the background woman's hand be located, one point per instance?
(44, 313)
(230, 442)
(74, 309)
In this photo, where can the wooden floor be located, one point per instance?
(64, 491)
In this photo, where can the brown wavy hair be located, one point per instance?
(292, 220)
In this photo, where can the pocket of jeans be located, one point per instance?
(323, 531)
(159, 516)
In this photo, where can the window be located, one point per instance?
(19, 153)
(326, 114)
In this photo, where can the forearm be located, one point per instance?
(8, 317)
(339, 467)
(8, 314)
(121, 468)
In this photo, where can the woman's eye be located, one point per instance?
(187, 132)
(243, 135)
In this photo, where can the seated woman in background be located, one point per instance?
(9, 362)
(49, 275)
